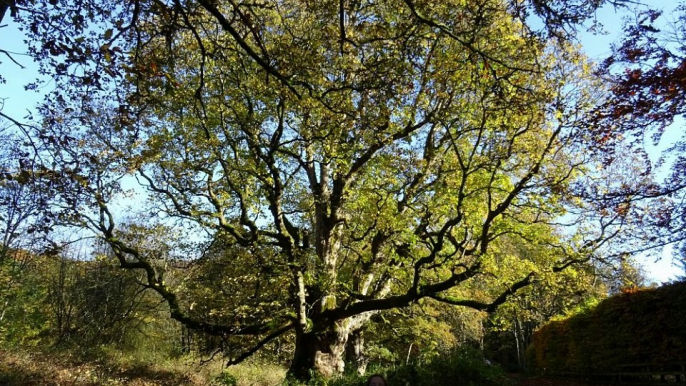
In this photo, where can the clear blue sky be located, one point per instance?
(15, 101)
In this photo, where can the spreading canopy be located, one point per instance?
(346, 157)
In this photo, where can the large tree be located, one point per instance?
(343, 157)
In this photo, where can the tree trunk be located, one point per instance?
(319, 352)
(520, 341)
(4, 309)
(322, 350)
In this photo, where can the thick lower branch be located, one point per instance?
(154, 283)
(488, 307)
(260, 344)
(399, 301)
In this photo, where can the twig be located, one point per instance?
(11, 58)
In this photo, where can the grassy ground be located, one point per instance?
(30, 368)
(64, 369)
(26, 368)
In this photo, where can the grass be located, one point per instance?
(107, 367)
(253, 374)
(27, 368)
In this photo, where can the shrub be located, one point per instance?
(462, 366)
(252, 374)
(638, 326)
(226, 379)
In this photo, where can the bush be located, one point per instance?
(638, 326)
(226, 379)
(252, 374)
(463, 366)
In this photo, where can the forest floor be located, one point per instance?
(23, 368)
(20, 368)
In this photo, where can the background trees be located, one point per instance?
(23, 227)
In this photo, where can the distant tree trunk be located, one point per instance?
(186, 340)
(521, 343)
(409, 352)
(355, 351)
(4, 310)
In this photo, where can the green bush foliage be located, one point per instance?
(634, 327)
(23, 294)
(226, 379)
(252, 373)
(463, 366)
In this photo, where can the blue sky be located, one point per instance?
(16, 102)
(658, 269)
(13, 99)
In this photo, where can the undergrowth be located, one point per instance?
(28, 367)
(101, 366)
(463, 366)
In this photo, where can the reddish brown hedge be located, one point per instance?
(638, 326)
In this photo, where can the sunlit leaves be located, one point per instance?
(332, 160)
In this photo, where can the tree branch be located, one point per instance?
(488, 307)
(260, 344)
(226, 25)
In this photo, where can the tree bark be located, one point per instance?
(323, 348)
(318, 351)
